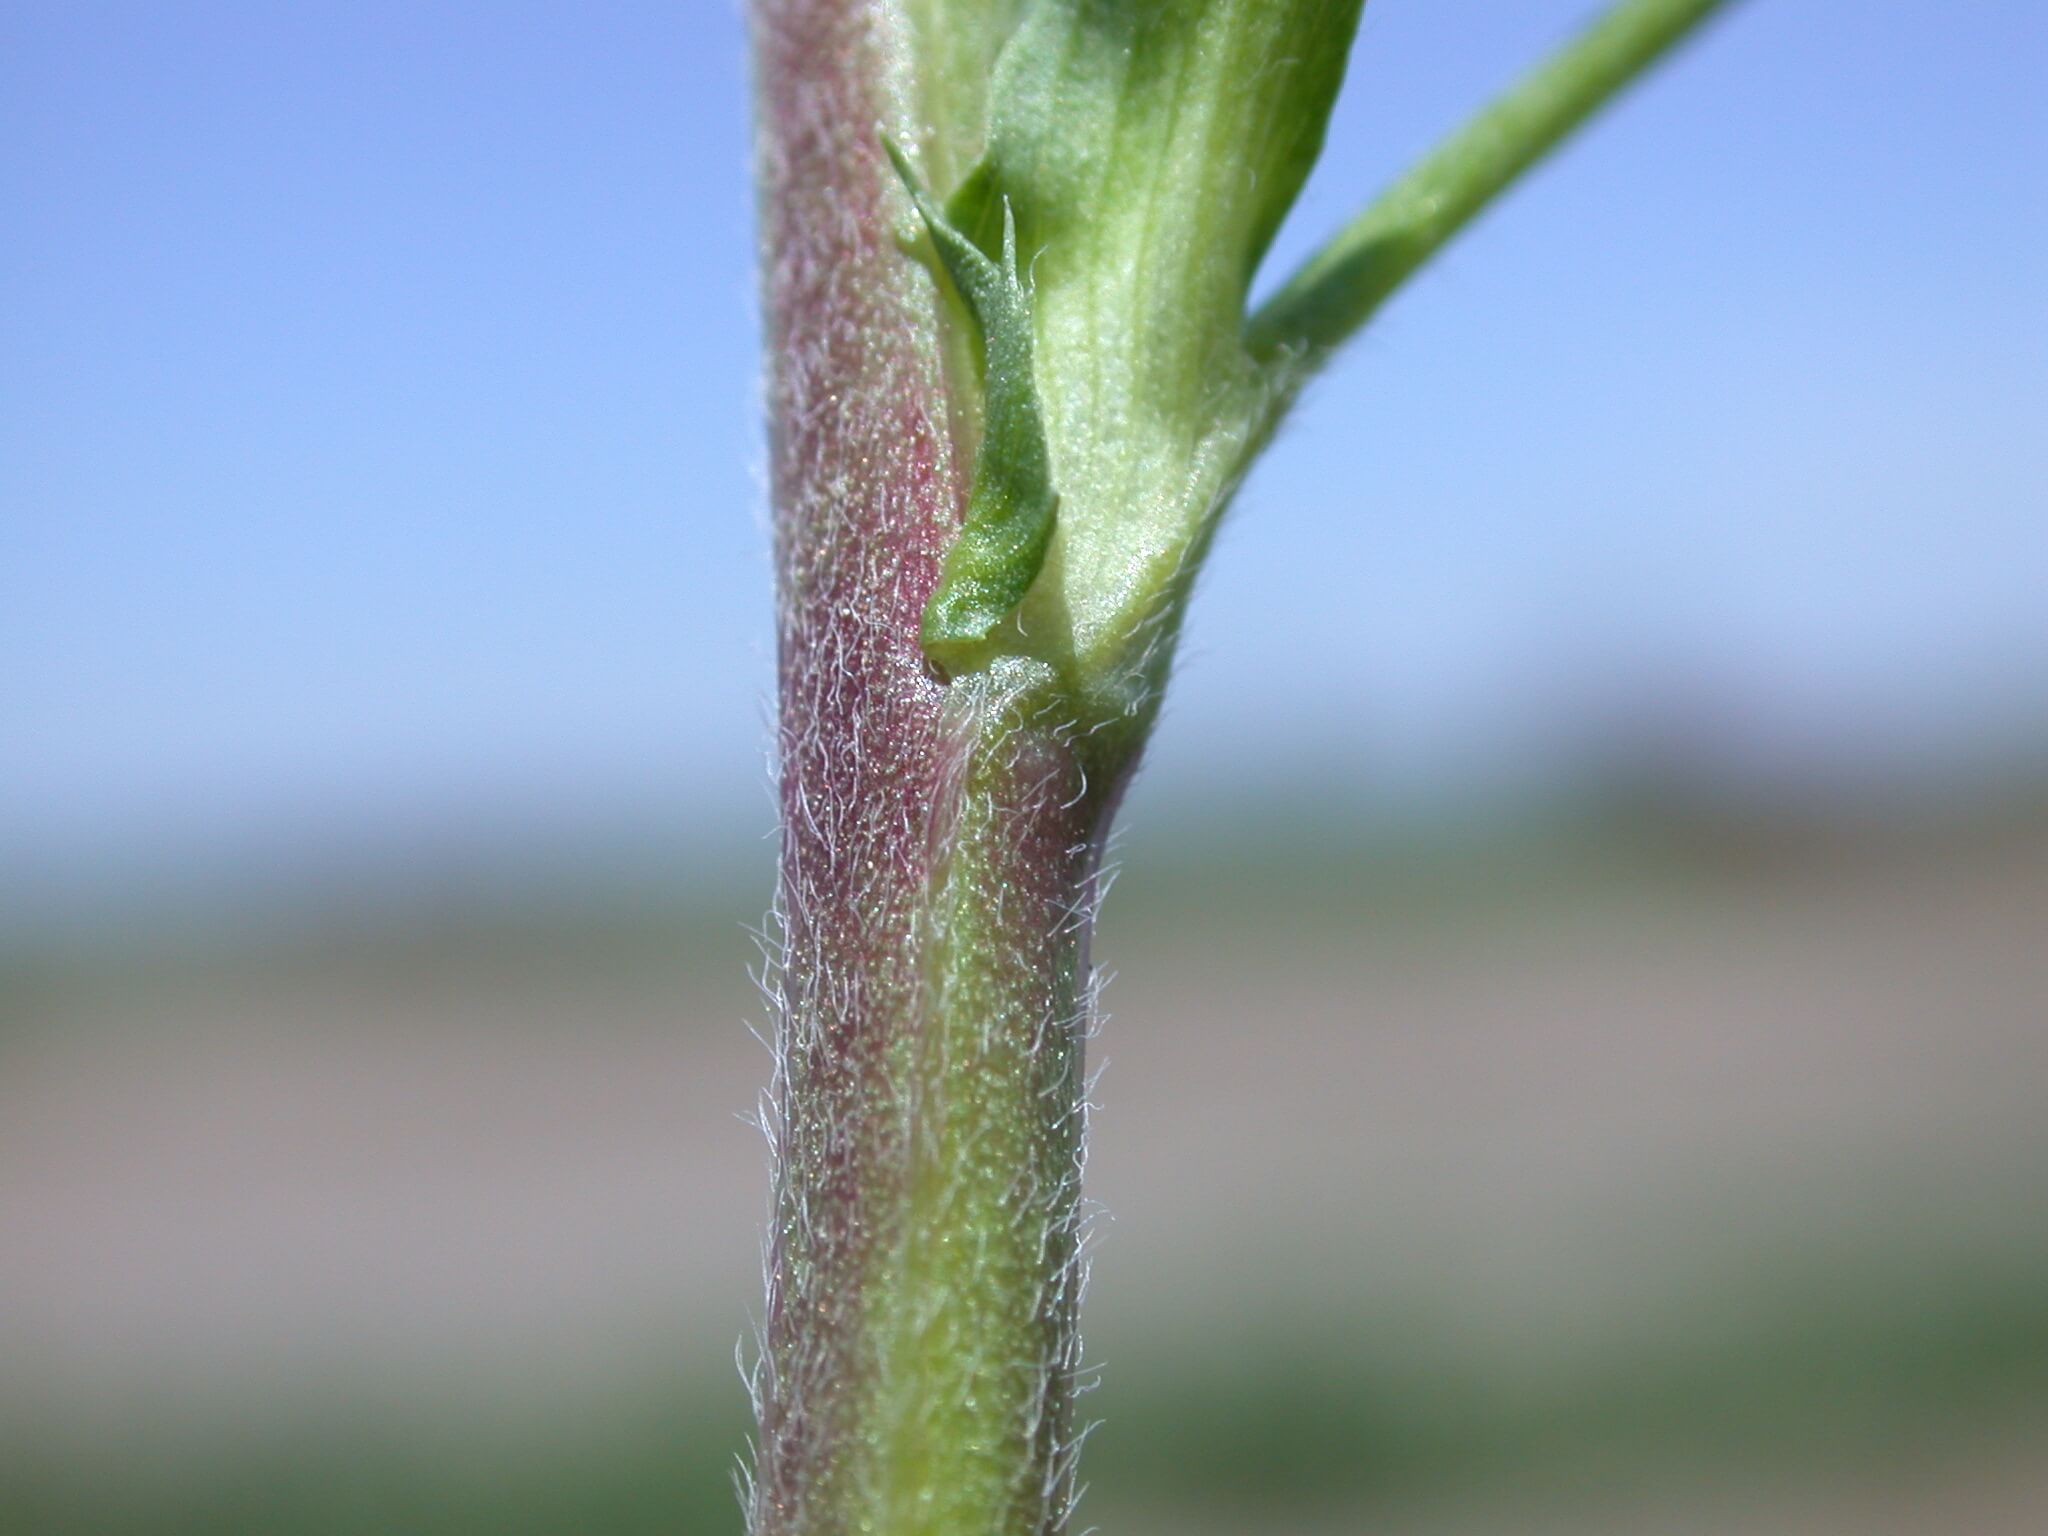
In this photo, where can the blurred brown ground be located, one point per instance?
(1536, 1113)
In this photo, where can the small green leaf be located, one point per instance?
(1011, 504)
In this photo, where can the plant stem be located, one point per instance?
(932, 1121)
(941, 839)
(1338, 289)
(938, 862)
(861, 482)
(974, 1313)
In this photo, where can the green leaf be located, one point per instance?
(1143, 152)
(1140, 156)
(1011, 504)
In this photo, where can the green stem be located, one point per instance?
(918, 1343)
(1339, 288)
(972, 1309)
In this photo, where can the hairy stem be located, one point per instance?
(974, 1312)
(927, 1253)
(937, 872)
(862, 482)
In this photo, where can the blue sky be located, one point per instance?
(379, 447)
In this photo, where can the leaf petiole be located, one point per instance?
(1339, 288)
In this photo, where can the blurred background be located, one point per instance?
(1580, 1059)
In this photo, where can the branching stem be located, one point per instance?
(948, 767)
(1340, 287)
